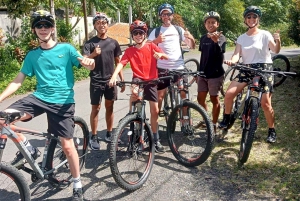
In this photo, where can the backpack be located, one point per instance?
(157, 31)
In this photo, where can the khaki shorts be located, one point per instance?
(211, 85)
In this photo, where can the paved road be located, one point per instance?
(166, 176)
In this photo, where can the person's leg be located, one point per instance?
(96, 93)
(160, 96)
(233, 89)
(202, 92)
(270, 116)
(110, 95)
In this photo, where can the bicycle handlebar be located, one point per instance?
(260, 71)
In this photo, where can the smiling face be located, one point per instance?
(166, 17)
(101, 26)
(211, 25)
(251, 19)
(43, 30)
(138, 36)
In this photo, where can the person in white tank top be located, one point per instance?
(254, 47)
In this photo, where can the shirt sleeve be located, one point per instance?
(125, 59)
(152, 35)
(87, 49)
(74, 54)
(117, 51)
(27, 67)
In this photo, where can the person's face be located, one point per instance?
(211, 25)
(101, 26)
(43, 30)
(251, 19)
(166, 17)
(138, 36)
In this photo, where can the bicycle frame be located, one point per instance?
(10, 132)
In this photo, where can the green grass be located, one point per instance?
(272, 170)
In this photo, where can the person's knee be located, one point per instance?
(68, 146)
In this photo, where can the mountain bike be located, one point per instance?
(280, 63)
(54, 166)
(247, 107)
(131, 162)
(189, 129)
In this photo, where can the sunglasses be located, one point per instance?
(40, 26)
(252, 16)
(101, 22)
(166, 14)
(138, 33)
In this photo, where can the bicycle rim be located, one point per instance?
(280, 63)
(131, 161)
(190, 143)
(13, 185)
(250, 118)
(57, 156)
(192, 65)
(230, 73)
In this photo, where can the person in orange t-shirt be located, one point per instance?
(142, 58)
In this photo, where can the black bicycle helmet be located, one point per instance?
(100, 16)
(211, 14)
(165, 6)
(41, 16)
(252, 9)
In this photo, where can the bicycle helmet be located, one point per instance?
(138, 25)
(167, 7)
(100, 16)
(41, 16)
(252, 9)
(211, 14)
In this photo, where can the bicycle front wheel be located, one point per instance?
(250, 117)
(13, 185)
(131, 156)
(190, 143)
(280, 63)
(56, 155)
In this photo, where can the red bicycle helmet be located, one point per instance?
(138, 25)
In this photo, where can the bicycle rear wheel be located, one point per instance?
(131, 161)
(280, 63)
(250, 118)
(13, 185)
(192, 65)
(57, 156)
(190, 144)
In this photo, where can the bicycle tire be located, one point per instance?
(250, 118)
(191, 65)
(13, 185)
(123, 154)
(227, 80)
(235, 112)
(280, 63)
(180, 141)
(56, 154)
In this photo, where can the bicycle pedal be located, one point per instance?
(162, 113)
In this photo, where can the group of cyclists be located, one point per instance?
(149, 58)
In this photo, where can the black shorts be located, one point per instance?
(166, 83)
(247, 77)
(60, 116)
(150, 91)
(97, 92)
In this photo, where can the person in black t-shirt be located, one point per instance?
(106, 52)
(212, 47)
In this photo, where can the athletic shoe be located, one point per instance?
(271, 137)
(19, 160)
(94, 143)
(77, 194)
(158, 147)
(223, 125)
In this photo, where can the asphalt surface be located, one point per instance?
(168, 180)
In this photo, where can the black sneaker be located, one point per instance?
(223, 125)
(94, 143)
(77, 194)
(158, 147)
(19, 160)
(271, 137)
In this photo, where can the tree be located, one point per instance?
(294, 17)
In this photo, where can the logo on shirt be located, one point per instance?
(60, 56)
